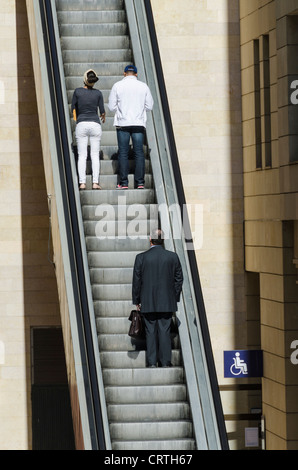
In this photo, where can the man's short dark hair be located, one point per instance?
(157, 237)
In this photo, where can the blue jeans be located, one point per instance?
(137, 135)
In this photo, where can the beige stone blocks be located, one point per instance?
(27, 279)
(271, 200)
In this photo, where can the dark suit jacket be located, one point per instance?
(157, 280)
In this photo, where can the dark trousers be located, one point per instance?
(158, 338)
(137, 135)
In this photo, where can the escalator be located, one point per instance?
(124, 405)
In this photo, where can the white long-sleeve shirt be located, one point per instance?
(130, 99)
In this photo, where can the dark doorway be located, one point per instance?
(52, 427)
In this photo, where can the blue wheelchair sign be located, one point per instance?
(243, 363)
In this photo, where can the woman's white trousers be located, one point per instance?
(88, 131)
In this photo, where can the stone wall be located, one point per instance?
(269, 45)
(27, 279)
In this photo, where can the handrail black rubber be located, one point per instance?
(74, 242)
(182, 202)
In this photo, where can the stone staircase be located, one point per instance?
(147, 408)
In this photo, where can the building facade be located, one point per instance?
(231, 78)
(269, 33)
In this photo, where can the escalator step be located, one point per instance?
(89, 5)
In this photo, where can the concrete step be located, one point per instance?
(113, 325)
(89, 17)
(152, 430)
(156, 445)
(146, 394)
(117, 244)
(119, 212)
(119, 325)
(109, 152)
(149, 412)
(102, 68)
(122, 212)
(116, 308)
(94, 43)
(158, 376)
(123, 342)
(132, 359)
(108, 167)
(111, 275)
(93, 30)
(128, 231)
(111, 292)
(89, 5)
(112, 259)
(93, 56)
(121, 197)
(114, 319)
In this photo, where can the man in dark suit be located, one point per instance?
(156, 289)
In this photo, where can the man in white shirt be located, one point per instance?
(130, 99)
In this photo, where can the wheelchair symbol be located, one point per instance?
(239, 366)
